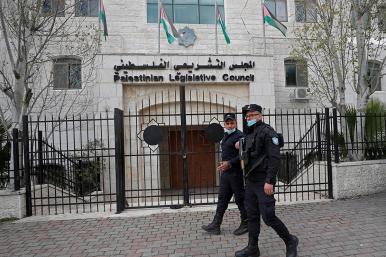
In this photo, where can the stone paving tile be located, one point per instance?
(354, 227)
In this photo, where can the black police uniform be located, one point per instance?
(262, 145)
(231, 182)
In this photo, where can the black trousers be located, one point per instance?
(231, 183)
(259, 204)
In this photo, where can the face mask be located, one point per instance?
(251, 123)
(229, 131)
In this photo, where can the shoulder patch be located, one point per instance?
(275, 140)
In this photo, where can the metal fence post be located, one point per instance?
(287, 167)
(16, 156)
(319, 136)
(184, 145)
(335, 124)
(328, 149)
(40, 157)
(27, 171)
(119, 159)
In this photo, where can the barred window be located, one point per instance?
(185, 11)
(374, 75)
(86, 8)
(53, 7)
(296, 74)
(67, 73)
(305, 10)
(278, 8)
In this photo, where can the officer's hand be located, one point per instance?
(223, 166)
(237, 145)
(268, 189)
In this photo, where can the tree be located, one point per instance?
(337, 47)
(33, 34)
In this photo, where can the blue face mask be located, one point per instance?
(251, 123)
(229, 131)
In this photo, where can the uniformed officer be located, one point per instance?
(262, 163)
(231, 179)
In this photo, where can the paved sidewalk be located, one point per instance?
(355, 227)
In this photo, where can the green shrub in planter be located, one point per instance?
(375, 136)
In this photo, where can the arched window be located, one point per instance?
(296, 74)
(67, 73)
(374, 75)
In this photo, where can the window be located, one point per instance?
(382, 18)
(53, 7)
(278, 8)
(296, 74)
(67, 73)
(86, 8)
(305, 10)
(185, 11)
(374, 75)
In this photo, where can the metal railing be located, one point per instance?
(70, 164)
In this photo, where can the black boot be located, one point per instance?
(242, 229)
(291, 246)
(214, 227)
(252, 250)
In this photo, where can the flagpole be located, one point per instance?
(159, 28)
(215, 17)
(99, 25)
(265, 40)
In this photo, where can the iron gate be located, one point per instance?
(169, 159)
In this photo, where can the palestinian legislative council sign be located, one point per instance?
(183, 72)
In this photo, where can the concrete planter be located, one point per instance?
(12, 204)
(352, 179)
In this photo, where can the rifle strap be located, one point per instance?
(256, 165)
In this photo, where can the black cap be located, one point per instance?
(228, 116)
(252, 108)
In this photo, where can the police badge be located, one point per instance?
(275, 141)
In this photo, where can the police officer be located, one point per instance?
(231, 179)
(262, 163)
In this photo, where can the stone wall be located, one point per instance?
(12, 204)
(352, 179)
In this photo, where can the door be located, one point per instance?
(201, 159)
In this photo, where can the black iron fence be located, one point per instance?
(11, 176)
(69, 163)
(359, 136)
(5, 155)
(164, 152)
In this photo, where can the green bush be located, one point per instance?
(375, 136)
(89, 167)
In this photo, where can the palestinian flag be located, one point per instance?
(221, 21)
(170, 30)
(271, 20)
(102, 18)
